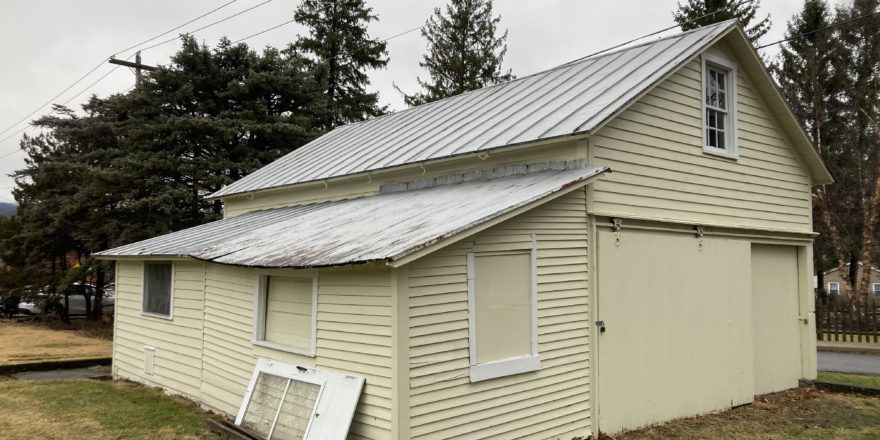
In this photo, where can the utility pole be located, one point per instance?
(136, 65)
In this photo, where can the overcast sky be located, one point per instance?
(45, 45)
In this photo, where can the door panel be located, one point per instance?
(775, 306)
(678, 337)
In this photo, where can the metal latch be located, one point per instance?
(601, 325)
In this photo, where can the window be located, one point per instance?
(290, 401)
(286, 313)
(158, 288)
(502, 314)
(719, 106)
(833, 288)
(875, 287)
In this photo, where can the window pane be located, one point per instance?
(502, 294)
(289, 311)
(297, 409)
(711, 139)
(720, 139)
(719, 120)
(265, 399)
(157, 288)
(721, 80)
(722, 100)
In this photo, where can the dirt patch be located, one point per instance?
(33, 342)
(805, 413)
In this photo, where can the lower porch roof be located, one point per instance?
(399, 221)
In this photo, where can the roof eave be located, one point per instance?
(453, 237)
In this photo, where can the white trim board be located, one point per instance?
(258, 336)
(516, 365)
(730, 131)
(170, 315)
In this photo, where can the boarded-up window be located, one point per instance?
(502, 292)
(502, 305)
(287, 306)
(284, 401)
(157, 288)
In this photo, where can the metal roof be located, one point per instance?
(383, 227)
(570, 99)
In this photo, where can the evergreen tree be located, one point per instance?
(699, 13)
(831, 80)
(340, 51)
(464, 51)
(140, 164)
(813, 74)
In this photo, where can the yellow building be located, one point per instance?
(615, 242)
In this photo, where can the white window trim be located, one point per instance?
(504, 367)
(732, 138)
(258, 335)
(170, 315)
(836, 284)
(337, 406)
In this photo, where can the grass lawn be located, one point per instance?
(851, 379)
(797, 414)
(95, 410)
(34, 342)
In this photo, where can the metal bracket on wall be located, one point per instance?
(616, 225)
(700, 234)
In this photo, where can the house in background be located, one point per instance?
(476, 263)
(834, 283)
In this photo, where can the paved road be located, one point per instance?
(849, 362)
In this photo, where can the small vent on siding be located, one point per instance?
(489, 174)
(149, 360)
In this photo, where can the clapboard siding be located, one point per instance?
(178, 342)
(661, 172)
(206, 352)
(548, 403)
(353, 336)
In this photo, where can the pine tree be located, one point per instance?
(813, 75)
(140, 164)
(340, 51)
(698, 13)
(464, 51)
(858, 176)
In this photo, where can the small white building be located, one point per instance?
(476, 261)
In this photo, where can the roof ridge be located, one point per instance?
(593, 56)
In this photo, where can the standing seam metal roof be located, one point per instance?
(383, 227)
(569, 99)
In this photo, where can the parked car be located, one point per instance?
(77, 301)
(28, 308)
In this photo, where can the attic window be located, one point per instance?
(286, 401)
(719, 106)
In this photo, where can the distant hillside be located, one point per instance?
(7, 209)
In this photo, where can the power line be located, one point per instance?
(264, 31)
(66, 89)
(731, 7)
(830, 26)
(100, 63)
(178, 27)
(209, 25)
